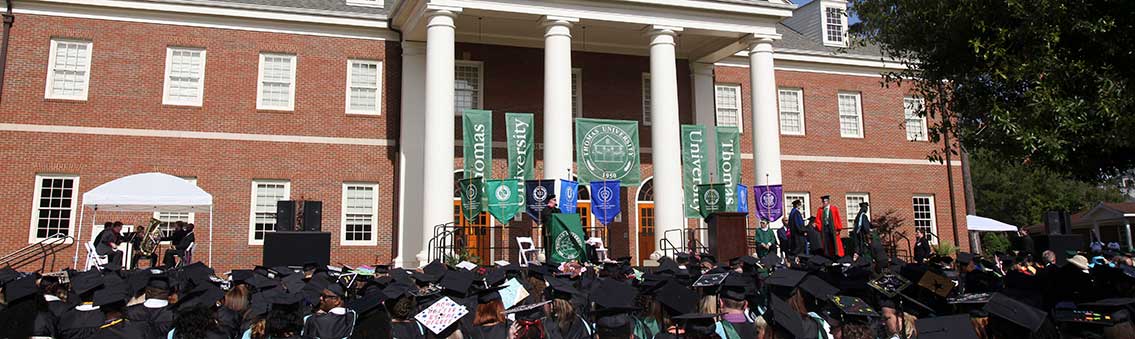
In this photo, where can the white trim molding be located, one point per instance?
(373, 241)
(252, 207)
(857, 160)
(74, 200)
(185, 52)
(377, 85)
(161, 133)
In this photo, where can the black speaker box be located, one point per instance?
(286, 215)
(1057, 222)
(1058, 244)
(296, 248)
(312, 219)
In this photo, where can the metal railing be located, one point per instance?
(690, 243)
(450, 239)
(39, 251)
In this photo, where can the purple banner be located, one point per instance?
(770, 201)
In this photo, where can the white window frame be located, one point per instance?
(852, 210)
(805, 205)
(166, 100)
(377, 87)
(799, 103)
(32, 238)
(646, 100)
(163, 216)
(577, 94)
(374, 216)
(909, 114)
(933, 215)
(252, 207)
(260, 84)
(366, 3)
(49, 92)
(480, 83)
(842, 23)
(858, 114)
(736, 88)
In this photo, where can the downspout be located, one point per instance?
(394, 245)
(8, 20)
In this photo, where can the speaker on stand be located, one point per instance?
(286, 215)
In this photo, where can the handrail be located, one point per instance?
(40, 250)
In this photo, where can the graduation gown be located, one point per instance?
(212, 334)
(80, 322)
(57, 306)
(407, 330)
(124, 329)
(498, 331)
(798, 231)
(160, 318)
(578, 330)
(338, 323)
(829, 231)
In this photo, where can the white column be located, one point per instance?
(437, 190)
(705, 110)
(665, 139)
(765, 125)
(411, 153)
(557, 97)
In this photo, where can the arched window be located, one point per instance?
(646, 191)
(644, 205)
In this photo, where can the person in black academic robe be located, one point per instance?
(112, 301)
(921, 246)
(26, 313)
(332, 320)
(155, 311)
(798, 229)
(80, 321)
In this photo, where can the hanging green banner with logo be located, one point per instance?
(729, 162)
(520, 146)
(712, 199)
(504, 202)
(694, 167)
(477, 146)
(607, 150)
(565, 238)
(471, 189)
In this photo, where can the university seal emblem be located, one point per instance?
(540, 193)
(608, 152)
(567, 245)
(503, 193)
(711, 197)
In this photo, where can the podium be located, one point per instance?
(727, 238)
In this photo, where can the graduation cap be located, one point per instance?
(1014, 311)
(528, 312)
(398, 289)
(457, 281)
(735, 287)
(666, 265)
(826, 197)
(698, 324)
(745, 260)
(786, 318)
(612, 295)
(1106, 312)
(965, 258)
(366, 303)
(852, 306)
(110, 294)
(286, 298)
(8, 274)
(956, 326)
(239, 276)
(489, 294)
(86, 281)
(19, 288)
(818, 287)
(260, 282)
(819, 261)
(677, 298)
(771, 260)
(283, 271)
(710, 279)
(336, 289)
(432, 272)
(786, 278)
(205, 296)
(936, 283)
(560, 289)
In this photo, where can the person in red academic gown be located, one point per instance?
(829, 223)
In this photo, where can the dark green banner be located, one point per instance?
(713, 198)
(607, 150)
(471, 189)
(504, 202)
(729, 162)
(565, 238)
(477, 146)
(520, 146)
(694, 166)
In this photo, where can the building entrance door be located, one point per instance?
(471, 237)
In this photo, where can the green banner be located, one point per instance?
(713, 198)
(607, 150)
(471, 189)
(729, 162)
(694, 167)
(565, 238)
(521, 149)
(504, 202)
(477, 135)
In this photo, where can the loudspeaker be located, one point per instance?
(1057, 222)
(312, 218)
(1058, 244)
(286, 215)
(296, 248)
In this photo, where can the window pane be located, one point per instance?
(69, 70)
(53, 214)
(852, 206)
(359, 212)
(467, 87)
(834, 24)
(646, 99)
(276, 84)
(791, 113)
(363, 96)
(264, 207)
(849, 117)
(728, 102)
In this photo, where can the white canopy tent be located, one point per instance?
(147, 192)
(983, 224)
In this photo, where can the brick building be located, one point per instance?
(353, 103)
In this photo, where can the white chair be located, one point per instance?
(188, 257)
(600, 250)
(93, 258)
(526, 246)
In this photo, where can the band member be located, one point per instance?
(108, 240)
(798, 244)
(861, 231)
(136, 238)
(181, 248)
(179, 233)
(829, 225)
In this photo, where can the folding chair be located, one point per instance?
(526, 246)
(93, 258)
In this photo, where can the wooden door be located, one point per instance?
(472, 236)
(645, 231)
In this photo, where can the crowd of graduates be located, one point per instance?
(688, 296)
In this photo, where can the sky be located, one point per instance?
(850, 21)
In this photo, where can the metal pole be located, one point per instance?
(210, 235)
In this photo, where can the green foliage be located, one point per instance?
(460, 255)
(1044, 82)
(1019, 195)
(945, 249)
(993, 242)
(889, 227)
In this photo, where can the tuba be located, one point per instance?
(150, 239)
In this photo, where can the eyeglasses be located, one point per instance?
(325, 296)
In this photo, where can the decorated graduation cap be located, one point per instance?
(1016, 312)
(853, 308)
(956, 326)
(528, 311)
(1106, 312)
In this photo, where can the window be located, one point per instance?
(277, 85)
(168, 218)
(852, 207)
(646, 99)
(833, 26)
(850, 116)
(69, 69)
(54, 211)
(185, 76)
(915, 123)
(363, 83)
(924, 218)
(728, 103)
(365, 3)
(804, 197)
(360, 206)
(467, 89)
(577, 92)
(791, 111)
(265, 194)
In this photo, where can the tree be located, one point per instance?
(1044, 82)
(1020, 194)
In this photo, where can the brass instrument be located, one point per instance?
(150, 241)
